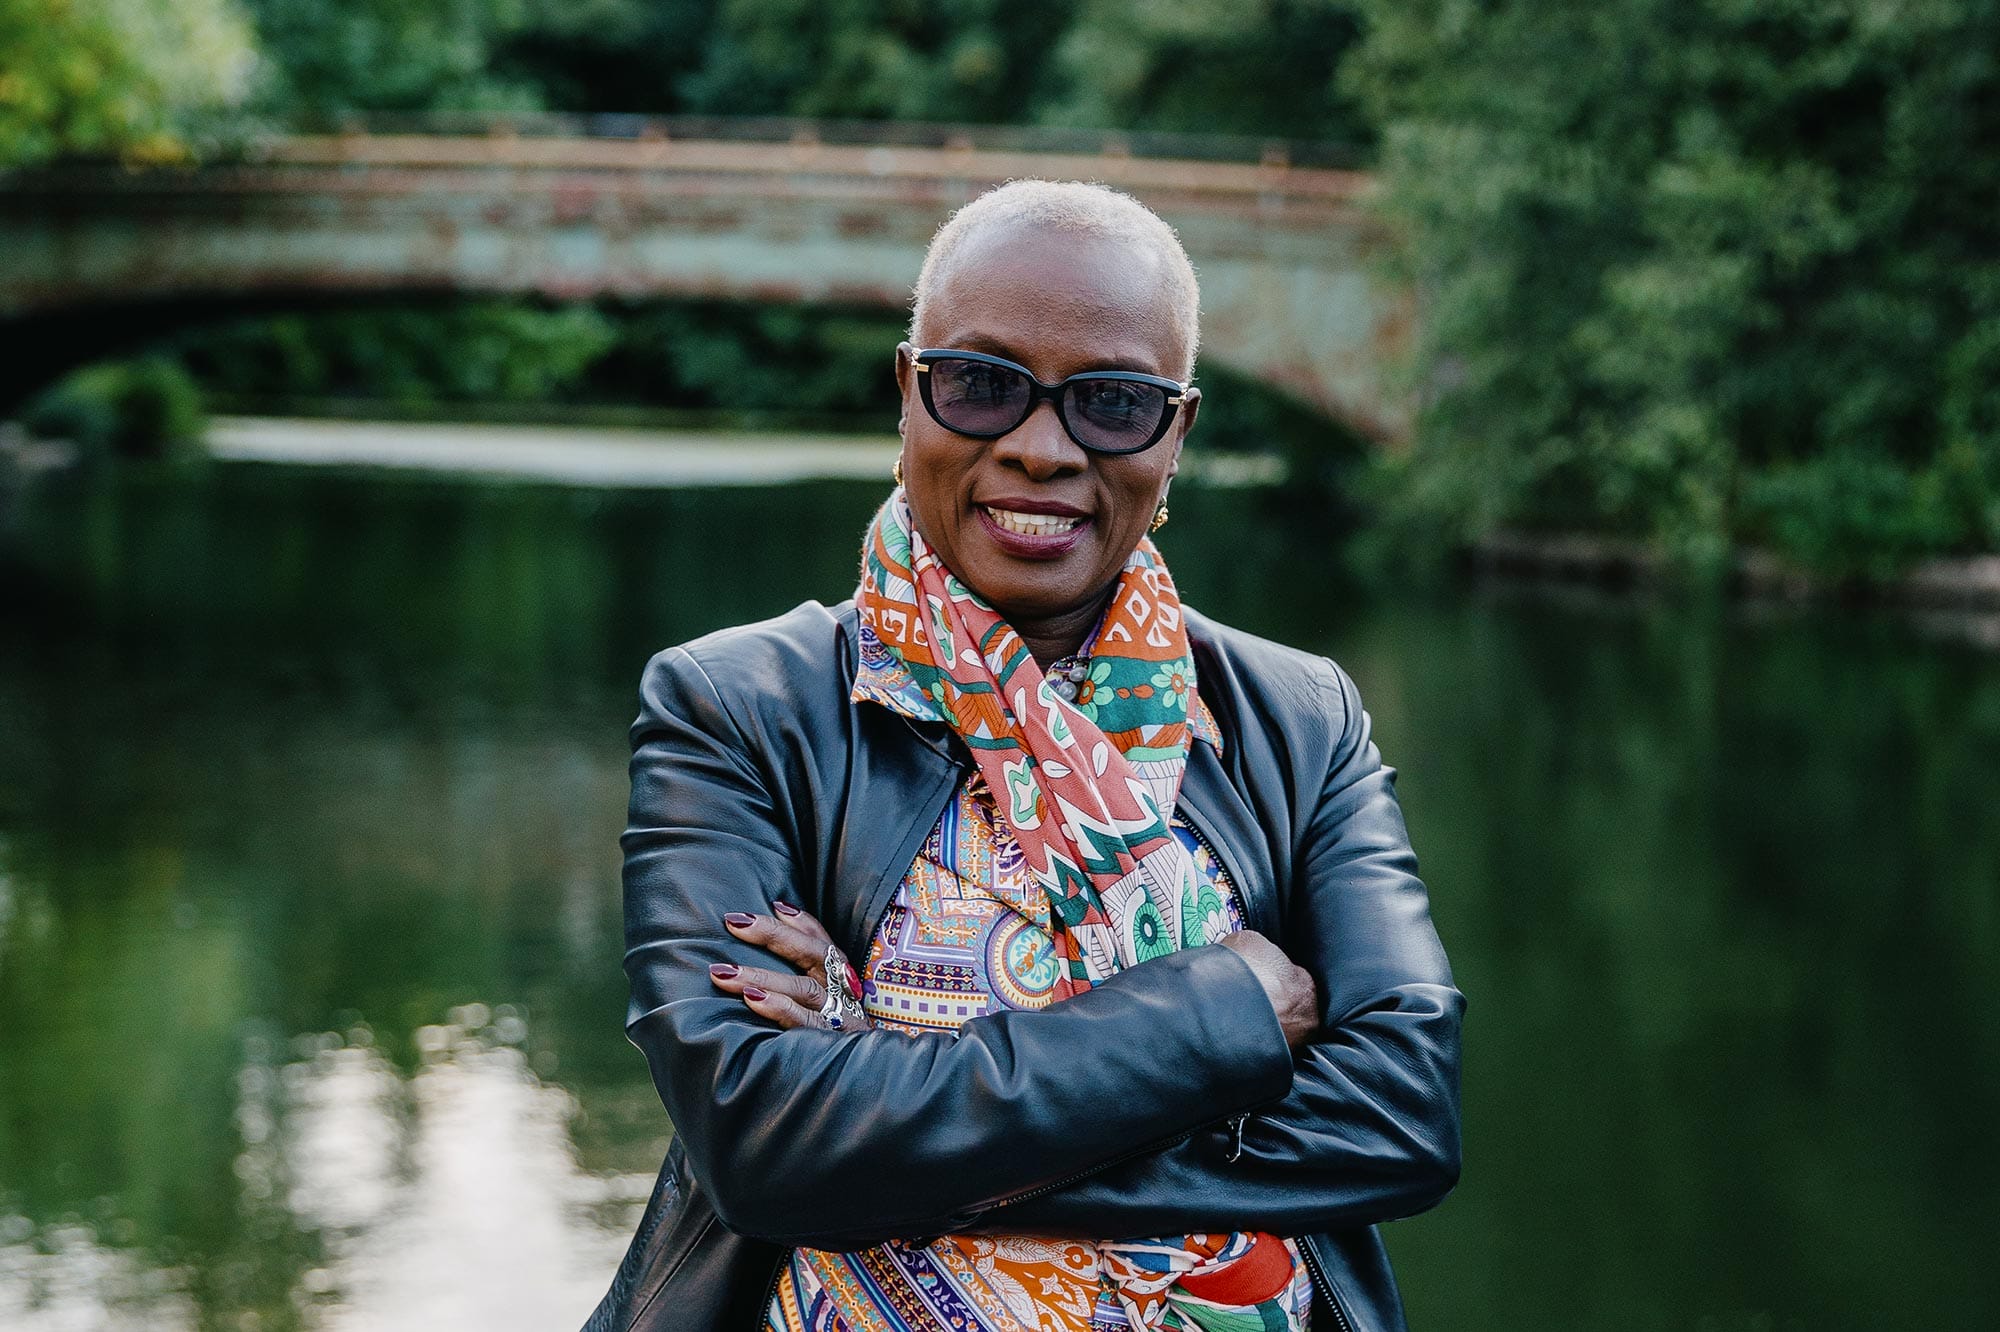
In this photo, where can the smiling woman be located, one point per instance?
(1149, 1025)
(1058, 288)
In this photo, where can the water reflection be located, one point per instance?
(451, 1198)
(447, 1195)
(299, 775)
(61, 1279)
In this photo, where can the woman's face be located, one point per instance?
(1057, 303)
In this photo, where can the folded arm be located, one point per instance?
(1369, 1131)
(841, 1140)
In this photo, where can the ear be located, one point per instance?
(1184, 423)
(905, 372)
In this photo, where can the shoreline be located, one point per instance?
(614, 457)
(1960, 583)
(585, 454)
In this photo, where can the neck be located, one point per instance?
(1058, 636)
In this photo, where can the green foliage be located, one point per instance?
(1701, 272)
(975, 61)
(784, 359)
(772, 358)
(325, 60)
(478, 351)
(134, 79)
(1243, 415)
(608, 55)
(1264, 67)
(1207, 66)
(145, 409)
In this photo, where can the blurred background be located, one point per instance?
(1614, 388)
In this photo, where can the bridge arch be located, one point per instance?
(1292, 289)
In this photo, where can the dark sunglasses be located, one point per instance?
(1106, 411)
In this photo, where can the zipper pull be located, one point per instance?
(1236, 1137)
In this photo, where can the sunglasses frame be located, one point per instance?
(1058, 393)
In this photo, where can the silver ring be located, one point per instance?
(841, 1005)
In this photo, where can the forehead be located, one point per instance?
(1056, 301)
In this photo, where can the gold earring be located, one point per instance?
(897, 471)
(1159, 517)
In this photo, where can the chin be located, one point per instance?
(1028, 600)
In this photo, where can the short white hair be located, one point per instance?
(1080, 208)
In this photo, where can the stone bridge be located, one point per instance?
(95, 257)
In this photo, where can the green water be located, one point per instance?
(309, 990)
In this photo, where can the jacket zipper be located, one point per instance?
(1158, 1145)
(1314, 1270)
(1228, 875)
(771, 1291)
(1235, 1122)
(1319, 1279)
(1207, 844)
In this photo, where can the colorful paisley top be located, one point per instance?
(968, 934)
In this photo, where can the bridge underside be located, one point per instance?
(99, 259)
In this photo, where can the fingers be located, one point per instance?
(791, 999)
(801, 919)
(783, 1010)
(791, 985)
(795, 938)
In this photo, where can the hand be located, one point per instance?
(790, 998)
(1287, 985)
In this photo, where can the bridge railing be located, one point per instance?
(864, 134)
(858, 156)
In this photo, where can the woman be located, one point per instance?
(1058, 821)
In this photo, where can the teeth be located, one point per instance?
(1031, 524)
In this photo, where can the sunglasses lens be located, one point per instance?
(1115, 415)
(976, 398)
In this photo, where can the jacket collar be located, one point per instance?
(906, 769)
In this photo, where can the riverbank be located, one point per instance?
(593, 456)
(631, 458)
(583, 457)
(1970, 583)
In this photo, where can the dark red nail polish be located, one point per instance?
(723, 970)
(739, 918)
(787, 909)
(753, 993)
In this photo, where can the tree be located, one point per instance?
(1702, 270)
(1261, 67)
(979, 60)
(133, 79)
(326, 59)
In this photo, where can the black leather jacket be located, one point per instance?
(1163, 1101)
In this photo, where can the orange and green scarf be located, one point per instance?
(1087, 786)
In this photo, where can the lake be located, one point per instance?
(310, 1000)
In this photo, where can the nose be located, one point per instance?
(1040, 447)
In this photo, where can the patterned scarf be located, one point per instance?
(1087, 788)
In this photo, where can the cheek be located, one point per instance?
(1139, 496)
(937, 470)
(934, 478)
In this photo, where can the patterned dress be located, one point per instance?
(968, 934)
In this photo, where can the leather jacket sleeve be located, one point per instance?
(841, 1141)
(1369, 1131)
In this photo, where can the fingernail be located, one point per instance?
(754, 994)
(739, 918)
(787, 909)
(723, 970)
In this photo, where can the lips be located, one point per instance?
(1032, 529)
(1031, 524)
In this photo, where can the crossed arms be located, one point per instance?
(1099, 1117)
